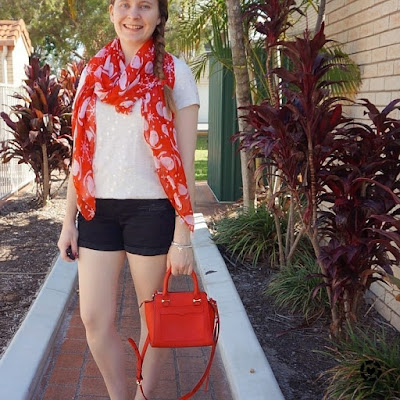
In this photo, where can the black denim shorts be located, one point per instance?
(138, 226)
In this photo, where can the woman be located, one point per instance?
(132, 180)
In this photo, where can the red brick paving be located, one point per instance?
(73, 374)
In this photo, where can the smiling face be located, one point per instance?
(134, 22)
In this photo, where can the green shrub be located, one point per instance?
(292, 287)
(250, 236)
(368, 367)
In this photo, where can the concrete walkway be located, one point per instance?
(49, 357)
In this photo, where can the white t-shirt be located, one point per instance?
(123, 164)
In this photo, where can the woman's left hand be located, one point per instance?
(180, 260)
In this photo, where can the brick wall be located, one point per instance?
(301, 23)
(370, 32)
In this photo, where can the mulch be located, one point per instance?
(28, 237)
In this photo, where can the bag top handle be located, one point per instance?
(195, 283)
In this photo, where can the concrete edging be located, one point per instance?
(23, 362)
(247, 369)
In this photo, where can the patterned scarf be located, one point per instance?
(114, 83)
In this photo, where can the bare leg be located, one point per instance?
(98, 284)
(148, 275)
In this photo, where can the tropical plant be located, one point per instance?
(284, 135)
(204, 24)
(368, 367)
(69, 80)
(325, 159)
(271, 19)
(69, 77)
(41, 127)
(360, 216)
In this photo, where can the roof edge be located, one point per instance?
(21, 31)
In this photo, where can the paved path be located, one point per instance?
(73, 374)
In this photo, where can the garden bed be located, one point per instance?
(293, 347)
(28, 237)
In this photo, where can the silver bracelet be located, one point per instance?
(181, 246)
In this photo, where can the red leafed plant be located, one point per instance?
(41, 127)
(69, 78)
(341, 175)
(359, 221)
(272, 19)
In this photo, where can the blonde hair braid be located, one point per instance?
(159, 44)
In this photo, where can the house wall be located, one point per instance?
(370, 32)
(301, 23)
(20, 59)
(9, 64)
(17, 58)
(202, 86)
(13, 176)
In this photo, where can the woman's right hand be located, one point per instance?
(68, 237)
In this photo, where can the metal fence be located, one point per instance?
(13, 176)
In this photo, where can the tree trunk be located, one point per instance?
(321, 16)
(45, 175)
(242, 87)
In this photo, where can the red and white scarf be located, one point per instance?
(121, 86)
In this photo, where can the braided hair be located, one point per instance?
(159, 44)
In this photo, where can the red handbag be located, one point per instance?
(179, 319)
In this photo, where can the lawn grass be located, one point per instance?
(201, 157)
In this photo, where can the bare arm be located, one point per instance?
(186, 119)
(69, 232)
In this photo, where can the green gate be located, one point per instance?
(224, 174)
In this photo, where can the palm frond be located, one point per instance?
(195, 26)
(347, 75)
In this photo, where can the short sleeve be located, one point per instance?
(185, 91)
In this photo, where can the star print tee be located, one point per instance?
(123, 163)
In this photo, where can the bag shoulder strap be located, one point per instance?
(139, 362)
(206, 375)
